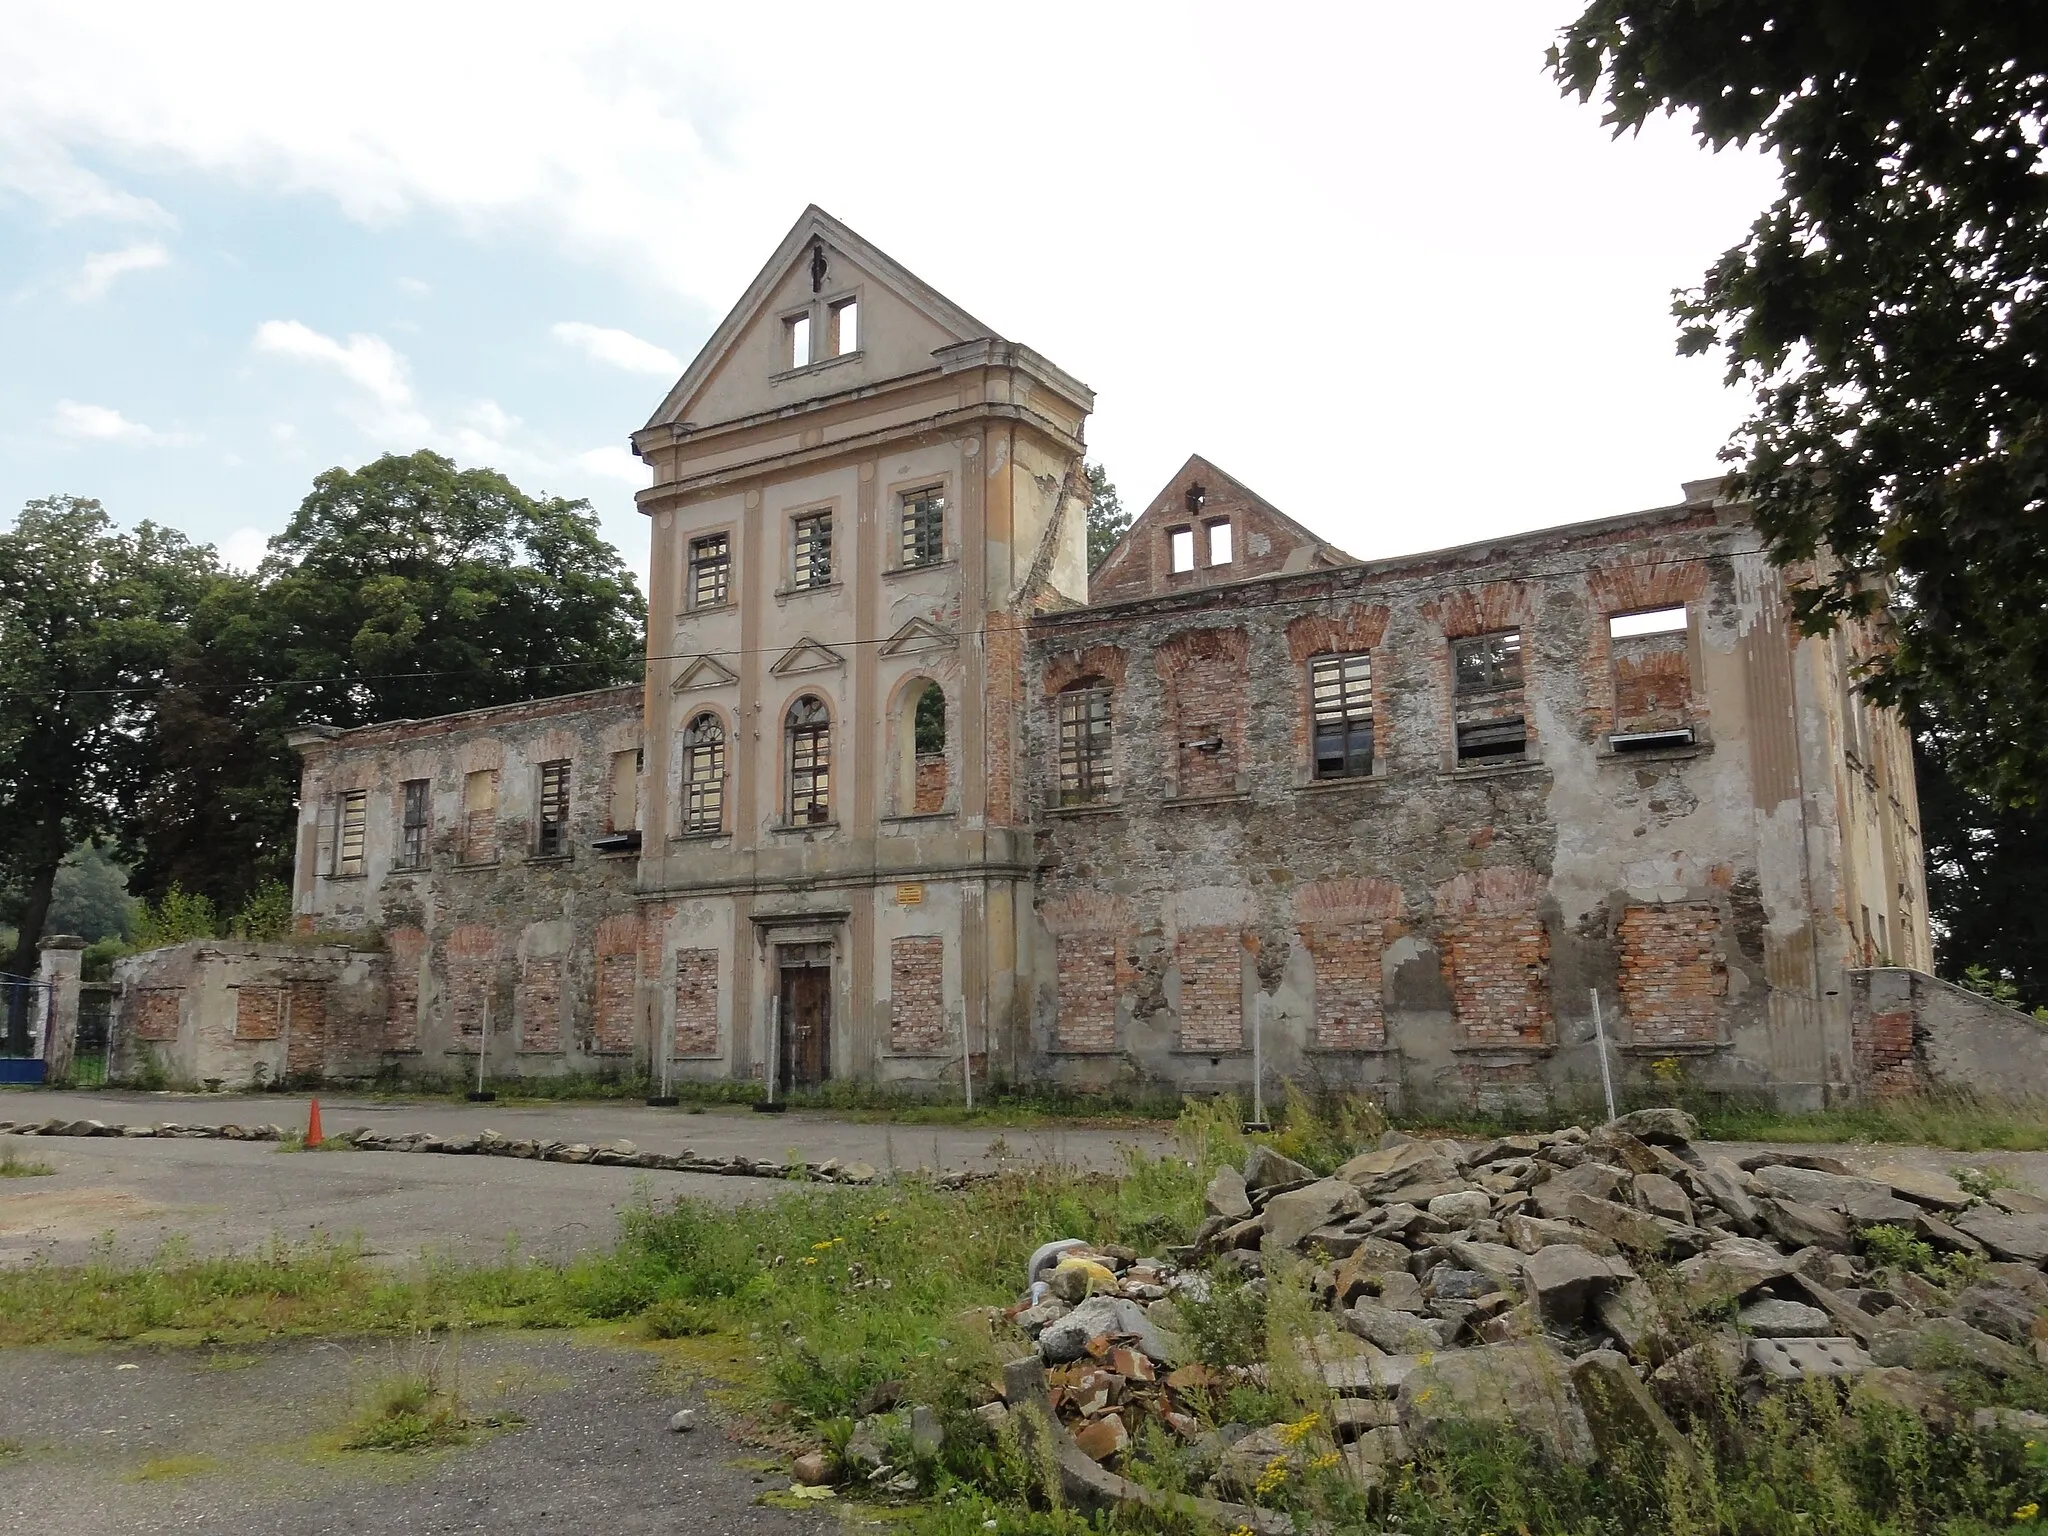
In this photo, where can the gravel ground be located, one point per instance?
(192, 1440)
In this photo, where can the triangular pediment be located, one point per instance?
(807, 655)
(920, 635)
(703, 673)
(745, 368)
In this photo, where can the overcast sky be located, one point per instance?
(1362, 256)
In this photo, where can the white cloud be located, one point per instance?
(613, 463)
(100, 270)
(413, 286)
(621, 349)
(244, 549)
(369, 362)
(104, 424)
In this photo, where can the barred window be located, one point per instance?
(1488, 663)
(704, 775)
(813, 550)
(710, 563)
(552, 825)
(1085, 772)
(1340, 694)
(348, 845)
(414, 825)
(809, 727)
(924, 528)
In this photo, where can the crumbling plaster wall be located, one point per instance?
(1914, 1033)
(1506, 895)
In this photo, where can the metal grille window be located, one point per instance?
(413, 825)
(710, 562)
(704, 775)
(924, 528)
(1085, 772)
(1340, 694)
(1488, 663)
(813, 549)
(809, 729)
(552, 827)
(353, 832)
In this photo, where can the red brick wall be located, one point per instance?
(1003, 648)
(1652, 682)
(1498, 969)
(618, 983)
(472, 957)
(1674, 980)
(931, 784)
(257, 1011)
(156, 1013)
(696, 1002)
(1349, 983)
(1211, 962)
(407, 947)
(305, 1046)
(1621, 676)
(1089, 973)
(917, 1017)
(540, 1003)
(1884, 1052)
(1203, 673)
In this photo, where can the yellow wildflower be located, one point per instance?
(1274, 1475)
(1300, 1429)
(808, 1259)
(2026, 1511)
(1324, 1462)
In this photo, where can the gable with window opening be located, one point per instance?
(704, 775)
(808, 727)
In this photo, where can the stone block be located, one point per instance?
(1521, 1387)
(1796, 1359)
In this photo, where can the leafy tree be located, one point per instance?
(89, 617)
(406, 588)
(1107, 518)
(90, 897)
(1889, 313)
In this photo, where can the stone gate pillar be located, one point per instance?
(60, 969)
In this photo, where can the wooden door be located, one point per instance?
(806, 1010)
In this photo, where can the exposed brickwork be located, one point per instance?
(407, 948)
(1652, 682)
(1674, 979)
(156, 1013)
(618, 979)
(1203, 674)
(917, 995)
(1622, 678)
(1349, 983)
(1089, 972)
(696, 1002)
(1104, 661)
(930, 793)
(258, 1012)
(540, 1003)
(305, 1045)
(1003, 649)
(472, 956)
(1211, 962)
(1498, 969)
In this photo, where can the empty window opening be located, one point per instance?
(1183, 540)
(813, 549)
(414, 824)
(1340, 694)
(1488, 663)
(810, 762)
(924, 528)
(1219, 541)
(845, 327)
(928, 752)
(349, 845)
(622, 813)
(704, 775)
(480, 817)
(799, 341)
(710, 565)
(551, 826)
(1655, 621)
(1085, 772)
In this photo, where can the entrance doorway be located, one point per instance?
(804, 1051)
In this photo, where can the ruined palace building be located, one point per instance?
(909, 793)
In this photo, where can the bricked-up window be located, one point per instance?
(1182, 543)
(704, 775)
(710, 566)
(924, 528)
(809, 729)
(480, 817)
(1487, 673)
(799, 338)
(622, 813)
(551, 826)
(1085, 771)
(1340, 693)
(352, 834)
(1219, 541)
(414, 824)
(813, 550)
(845, 317)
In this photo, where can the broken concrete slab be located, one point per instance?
(2022, 1238)
(1796, 1359)
(1523, 1387)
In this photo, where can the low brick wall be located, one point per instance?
(1914, 1033)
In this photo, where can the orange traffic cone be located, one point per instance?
(313, 1124)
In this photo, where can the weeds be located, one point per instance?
(14, 1166)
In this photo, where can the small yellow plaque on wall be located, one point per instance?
(909, 895)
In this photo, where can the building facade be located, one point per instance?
(908, 798)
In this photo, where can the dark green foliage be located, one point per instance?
(1107, 518)
(929, 727)
(1889, 314)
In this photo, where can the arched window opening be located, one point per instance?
(704, 775)
(1084, 742)
(928, 752)
(809, 729)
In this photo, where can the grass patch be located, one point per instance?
(407, 1412)
(14, 1166)
(1957, 1123)
(171, 1469)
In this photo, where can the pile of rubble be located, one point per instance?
(1506, 1283)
